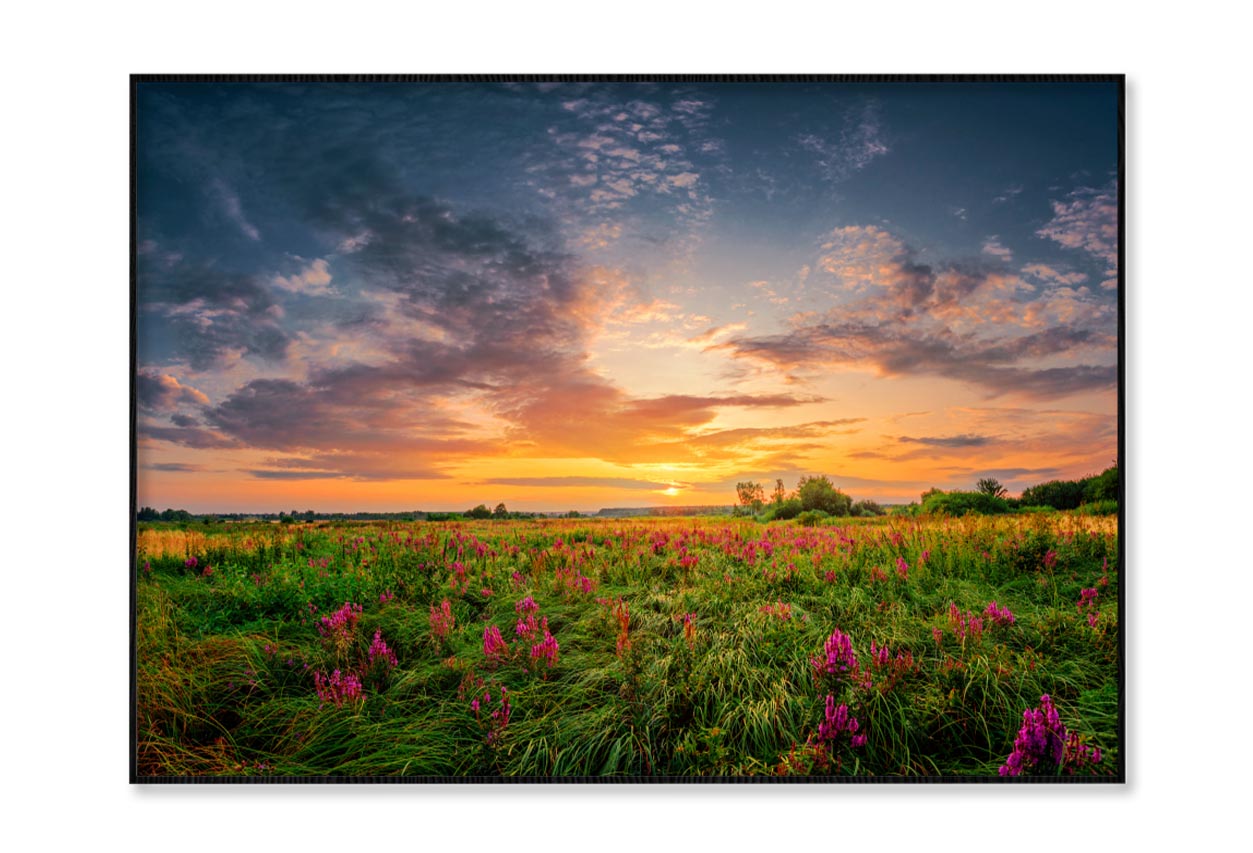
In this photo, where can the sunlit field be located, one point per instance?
(673, 647)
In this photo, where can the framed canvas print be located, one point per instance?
(641, 428)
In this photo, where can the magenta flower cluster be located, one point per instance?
(442, 620)
(964, 624)
(380, 651)
(497, 720)
(341, 624)
(338, 688)
(837, 721)
(839, 655)
(1087, 602)
(494, 646)
(998, 615)
(1040, 744)
(1079, 754)
(547, 648)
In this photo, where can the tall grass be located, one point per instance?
(715, 676)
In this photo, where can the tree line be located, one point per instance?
(816, 497)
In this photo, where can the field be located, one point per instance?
(671, 647)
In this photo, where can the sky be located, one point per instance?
(356, 297)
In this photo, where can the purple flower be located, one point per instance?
(839, 655)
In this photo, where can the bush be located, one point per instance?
(1098, 508)
(811, 517)
(819, 493)
(866, 508)
(964, 503)
(1059, 494)
(789, 509)
(1103, 487)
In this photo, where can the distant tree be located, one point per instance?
(964, 503)
(500, 511)
(574, 513)
(147, 513)
(751, 495)
(1103, 487)
(818, 493)
(780, 493)
(790, 508)
(991, 486)
(480, 511)
(1059, 494)
(866, 508)
(928, 493)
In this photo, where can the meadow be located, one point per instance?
(882, 647)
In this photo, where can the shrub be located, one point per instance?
(964, 503)
(1107, 507)
(819, 493)
(782, 512)
(866, 508)
(1059, 494)
(1103, 487)
(811, 517)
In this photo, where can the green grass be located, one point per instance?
(226, 659)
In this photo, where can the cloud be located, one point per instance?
(897, 316)
(624, 166)
(1087, 219)
(1052, 276)
(228, 201)
(949, 440)
(263, 474)
(194, 437)
(180, 467)
(859, 142)
(992, 246)
(1011, 192)
(580, 482)
(314, 279)
(157, 391)
(205, 314)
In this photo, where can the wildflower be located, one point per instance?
(339, 629)
(547, 648)
(338, 688)
(494, 646)
(442, 620)
(526, 605)
(839, 655)
(999, 615)
(838, 720)
(902, 568)
(190, 562)
(1040, 744)
(380, 651)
